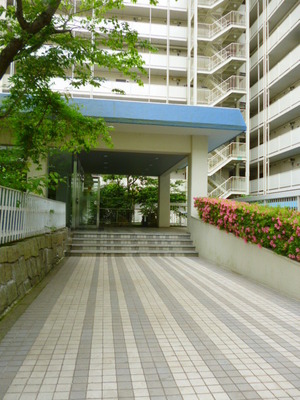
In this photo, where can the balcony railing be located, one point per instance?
(283, 67)
(284, 181)
(283, 105)
(285, 142)
(234, 150)
(23, 215)
(233, 18)
(128, 217)
(233, 185)
(287, 26)
(130, 89)
(209, 3)
(232, 51)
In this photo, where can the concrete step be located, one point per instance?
(132, 245)
(164, 244)
(104, 241)
(128, 253)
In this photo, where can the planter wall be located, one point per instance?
(25, 263)
(247, 259)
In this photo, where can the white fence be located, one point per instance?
(23, 215)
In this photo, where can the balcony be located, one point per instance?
(288, 68)
(281, 7)
(162, 61)
(209, 3)
(281, 111)
(289, 180)
(234, 51)
(234, 19)
(286, 33)
(159, 31)
(284, 145)
(131, 91)
(178, 5)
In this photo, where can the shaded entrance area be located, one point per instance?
(153, 140)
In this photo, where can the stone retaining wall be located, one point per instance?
(25, 263)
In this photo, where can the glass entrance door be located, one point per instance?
(85, 199)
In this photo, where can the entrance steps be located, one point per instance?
(89, 243)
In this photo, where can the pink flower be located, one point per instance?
(297, 250)
(259, 245)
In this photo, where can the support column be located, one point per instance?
(164, 201)
(197, 172)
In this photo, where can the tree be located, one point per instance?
(121, 193)
(46, 40)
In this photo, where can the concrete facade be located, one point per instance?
(259, 264)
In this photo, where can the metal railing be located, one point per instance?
(208, 31)
(233, 185)
(120, 216)
(127, 217)
(178, 214)
(23, 215)
(233, 83)
(211, 96)
(233, 150)
(233, 50)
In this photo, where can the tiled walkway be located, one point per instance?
(152, 328)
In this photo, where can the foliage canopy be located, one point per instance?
(66, 40)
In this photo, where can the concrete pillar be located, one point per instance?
(164, 201)
(197, 172)
(36, 172)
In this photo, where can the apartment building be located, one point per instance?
(275, 101)
(223, 53)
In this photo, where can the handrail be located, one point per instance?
(210, 96)
(233, 184)
(234, 149)
(234, 82)
(233, 50)
(236, 18)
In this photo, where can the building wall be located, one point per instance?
(274, 96)
(198, 63)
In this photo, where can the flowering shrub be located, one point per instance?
(277, 229)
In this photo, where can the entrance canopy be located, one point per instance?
(219, 124)
(151, 138)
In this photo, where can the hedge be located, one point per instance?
(277, 229)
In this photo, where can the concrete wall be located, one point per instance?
(261, 265)
(25, 263)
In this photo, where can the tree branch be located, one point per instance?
(16, 45)
(20, 17)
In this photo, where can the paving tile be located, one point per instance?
(152, 328)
